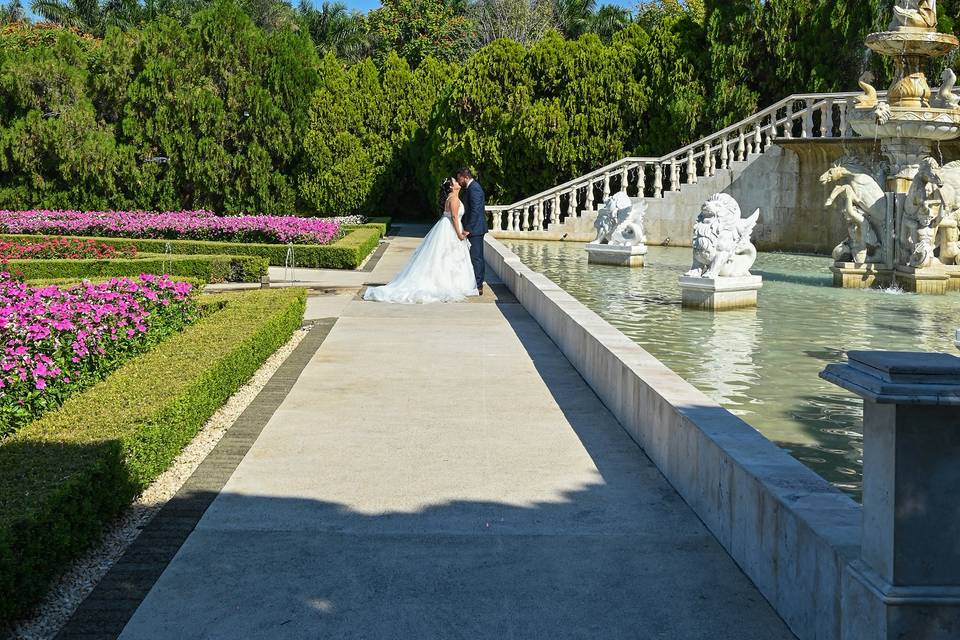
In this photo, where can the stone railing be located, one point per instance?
(821, 115)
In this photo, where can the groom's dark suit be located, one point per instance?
(475, 221)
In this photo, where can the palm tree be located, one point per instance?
(336, 30)
(88, 16)
(12, 12)
(609, 19)
(574, 17)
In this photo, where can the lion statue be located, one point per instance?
(620, 222)
(861, 201)
(721, 240)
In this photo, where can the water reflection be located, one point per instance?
(761, 364)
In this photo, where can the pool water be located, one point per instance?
(762, 363)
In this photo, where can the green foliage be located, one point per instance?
(54, 152)
(366, 127)
(420, 29)
(208, 268)
(335, 30)
(526, 119)
(66, 475)
(223, 101)
(346, 253)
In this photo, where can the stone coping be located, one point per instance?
(793, 533)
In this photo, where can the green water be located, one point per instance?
(761, 364)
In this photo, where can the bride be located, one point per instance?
(440, 269)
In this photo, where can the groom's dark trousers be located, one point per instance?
(475, 221)
(476, 257)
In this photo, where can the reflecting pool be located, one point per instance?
(761, 364)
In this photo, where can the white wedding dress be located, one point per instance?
(438, 271)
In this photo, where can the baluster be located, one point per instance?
(757, 139)
(538, 216)
(642, 180)
(624, 179)
(525, 218)
(674, 175)
(511, 214)
(606, 185)
(572, 203)
(691, 168)
(707, 160)
(741, 146)
(788, 126)
(826, 119)
(495, 220)
(657, 180)
(723, 153)
(807, 131)
(554, 216)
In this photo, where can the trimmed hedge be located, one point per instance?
(346, 253)
(209, 268)
(380, 224)
(67, 474)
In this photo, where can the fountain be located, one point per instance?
(910, 235)
(723, 254)
(620, 235)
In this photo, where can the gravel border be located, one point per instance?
(77, 582)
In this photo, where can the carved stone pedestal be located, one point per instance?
(928, 280)
(953, 270)
(851, 275)
(906, 582)
(720, 294)
(617, 256)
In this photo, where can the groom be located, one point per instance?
(474, 220)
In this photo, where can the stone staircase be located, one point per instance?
(675, 184)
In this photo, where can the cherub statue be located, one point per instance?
(620, 222)
(721, 240)
(920, 14)
(862, 202)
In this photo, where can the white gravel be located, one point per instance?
(83, 575)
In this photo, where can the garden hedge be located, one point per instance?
(67, 474)
(208, 268)
(346, 253)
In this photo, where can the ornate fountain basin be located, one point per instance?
(924, 124)
(912, 43)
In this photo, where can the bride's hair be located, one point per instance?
(445, 188)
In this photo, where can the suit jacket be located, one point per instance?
(474, 210)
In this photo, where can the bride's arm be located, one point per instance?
(454, 215)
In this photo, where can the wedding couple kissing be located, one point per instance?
(448, 266)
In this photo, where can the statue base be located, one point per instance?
(720, 294)
(850, 275)
(616, 255)
(926, 280)
(953, 270)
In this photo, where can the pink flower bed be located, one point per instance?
(60, 248)
(173, 225)
(56, 341)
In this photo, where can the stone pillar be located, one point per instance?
(906, 582)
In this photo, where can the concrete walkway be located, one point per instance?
(442, 471)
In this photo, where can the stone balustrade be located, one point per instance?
(801, 116)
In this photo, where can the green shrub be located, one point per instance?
(346, 253)
(64, 476)
(208, 268)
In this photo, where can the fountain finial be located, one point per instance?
(915, 14)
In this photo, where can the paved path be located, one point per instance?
(442, 471)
